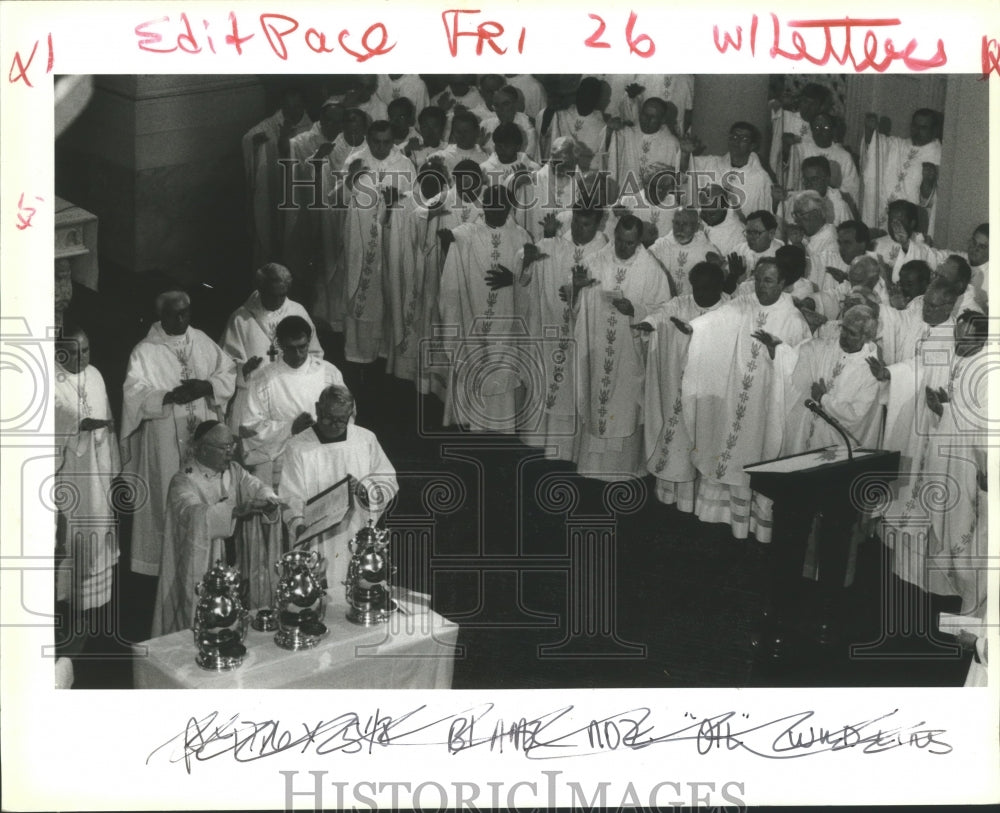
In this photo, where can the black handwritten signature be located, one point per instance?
(556, 734)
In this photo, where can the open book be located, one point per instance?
(327, 509)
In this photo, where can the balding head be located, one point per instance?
(864, 271)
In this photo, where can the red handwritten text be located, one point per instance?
(19, 69)
(875, 55)
(25, 213)
(487, 32)
(991, 57)
(641, 45)
(160, 36)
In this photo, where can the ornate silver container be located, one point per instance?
(300, 600)
(220, 620)
(369, 578)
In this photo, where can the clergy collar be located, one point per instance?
(288, 369)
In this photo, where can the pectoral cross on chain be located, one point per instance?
(272, 352)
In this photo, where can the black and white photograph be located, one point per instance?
(492, 383)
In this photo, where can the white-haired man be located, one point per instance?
(332, 450)
(177, 377)
(250, 332)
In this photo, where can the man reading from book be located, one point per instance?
(335, 477)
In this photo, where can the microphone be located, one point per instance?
(816, 409)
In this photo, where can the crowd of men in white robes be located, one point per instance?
(576, 270)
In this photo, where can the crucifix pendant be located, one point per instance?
(272, 352)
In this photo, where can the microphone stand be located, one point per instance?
(816, 409)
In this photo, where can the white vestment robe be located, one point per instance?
(535, 97)
(365, 252)
(821, 252)
(263, 176)
(611, 368)
(893, 255)
(479, 322)
(852, 397)
(275, 399)
(734, 405)
(250, 332)
(588, 131)
(750, 182)
(843, 173)
(633, 155)
(199, 517)
(910, 429)
(530, 144)
(958, 542)
(547, 193)
(87, 464)
(310, 466)
(408, 86)
(728, 235)
(667, 442)
(155, 439)
(453, 155)
(679, 258)
(892, 168)
(552, 408)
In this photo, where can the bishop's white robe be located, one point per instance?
(88, 462)
(365, 252)
(482, 383)
(958, 541)
(155, 439)
(910, 429)
(250, 332)
(678, 259)
(892, 168)
(552, 409)
(633, 155)
(275, 399)
(821, 252)
(263, 177)
(588, 131)
(310, 466)
(750, 183)
(667, 442)
(611, 369)
(852, 397)
(199, 517)
(734, 406)
(408, 86)
(728, 235)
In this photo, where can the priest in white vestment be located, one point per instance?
(249, 337)
(505, 112)
(477, 311)
(331, 450)
(626, 286)
(87, 463)
(683, 247)
(551, 190)
(910, 423)
(734, 406)
(722, 224)
(667, 442)
(583, 121)
(177, 377)
(894, 168)
(205, 504)
(637, 151)
(820, 243)
(280, 400)
(379, 175)
(739, 170)
(843, 172)
(835, 374)
(758, 241)
(545, 280)
(263, 173)
(957, 545)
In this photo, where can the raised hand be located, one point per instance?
(634, 89)
(878, 368)
(90, 424)
(324, 150)
(499, 277)
(768, 340)
(836, 273)
(532, 254)
(251, 364)
(446, 238)
(682, 326)
(819, 389)
(302, 422)
(550, 225)
(624, 306)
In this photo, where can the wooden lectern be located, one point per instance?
(835, 484)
